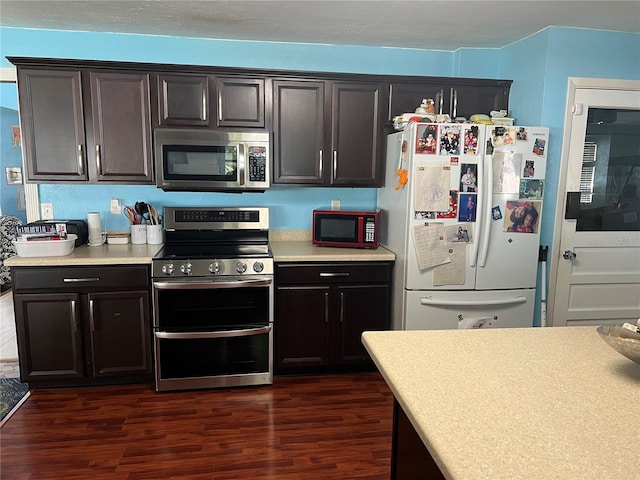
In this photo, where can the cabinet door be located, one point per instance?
(365, 307)
(356, 135)
(406, 97)
(49, 336)
(468, 100)
(184, 100)
(121, 115)
(52, 118)
(240, 102)
(120, 333)
(298, 128)
(302, 327)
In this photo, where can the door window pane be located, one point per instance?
(610, 176)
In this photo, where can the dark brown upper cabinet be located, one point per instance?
(87, 126)
(452, 96)
(328, 133)
(241, 102)
(211, 101)
(184, 100)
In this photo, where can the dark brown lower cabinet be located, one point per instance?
(83, 326)
(322, 310)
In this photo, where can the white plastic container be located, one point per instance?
(46, 248)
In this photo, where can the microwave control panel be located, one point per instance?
(257, 163)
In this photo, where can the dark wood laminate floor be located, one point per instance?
(333, 427)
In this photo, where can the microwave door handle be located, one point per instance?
(242, 163)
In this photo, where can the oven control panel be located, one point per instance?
(209, 268)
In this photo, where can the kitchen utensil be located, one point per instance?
(143, 211)
(623, 341)
(153, 214)
(132, 215)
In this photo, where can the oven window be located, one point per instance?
(191, 162)
(181, 358)
(212, 309)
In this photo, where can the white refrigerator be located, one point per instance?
(462, 206)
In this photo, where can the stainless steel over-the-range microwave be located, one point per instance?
(207, 160)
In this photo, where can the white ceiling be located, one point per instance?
(426, 24)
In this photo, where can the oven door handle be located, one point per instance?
(224, 334)
(211, 284)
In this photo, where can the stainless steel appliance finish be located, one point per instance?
(213, 299)
(205, 160)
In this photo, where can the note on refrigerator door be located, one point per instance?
(506, 171)
(454, 272)
(430, 244)
(432, 188)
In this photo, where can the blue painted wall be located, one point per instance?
(539, 65)
(10, 156)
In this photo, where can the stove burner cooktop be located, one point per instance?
(208, 251)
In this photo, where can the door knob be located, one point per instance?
(569, 255)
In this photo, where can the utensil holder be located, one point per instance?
(138, 234)
(154, 234)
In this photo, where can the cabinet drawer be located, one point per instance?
(80, 279)
(316, 273)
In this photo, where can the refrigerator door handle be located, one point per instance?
(472, 303)
(484, 189)
(485, 226)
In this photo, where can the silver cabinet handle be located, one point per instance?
(335, 164)
(454, 113)
(98, 160)
(76, 320)
(80, 160)
(76, 280)
(320, 170)
(334, 274)
(326, 307)
(569, 255)
(341, 307)
(92, 322)
(224, 334)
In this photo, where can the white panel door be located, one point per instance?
(597, 277)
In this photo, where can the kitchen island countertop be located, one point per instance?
(543, 403)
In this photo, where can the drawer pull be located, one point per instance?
(76, 280)
(334, 274)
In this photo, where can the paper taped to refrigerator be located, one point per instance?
(432, 188)
(430, 245)
(506, 171)
(454, 272)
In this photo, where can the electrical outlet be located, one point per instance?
(116, 206)
(335, 204)
(46, 211)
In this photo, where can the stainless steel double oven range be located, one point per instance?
(213, 299)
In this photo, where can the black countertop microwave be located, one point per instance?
(206, 160)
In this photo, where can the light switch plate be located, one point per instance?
(335, 204)
(46, 211)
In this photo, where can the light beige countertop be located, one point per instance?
(305, 251)
(85, 255)
(283, 251)
(534, 403)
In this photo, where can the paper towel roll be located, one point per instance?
(95, 229)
